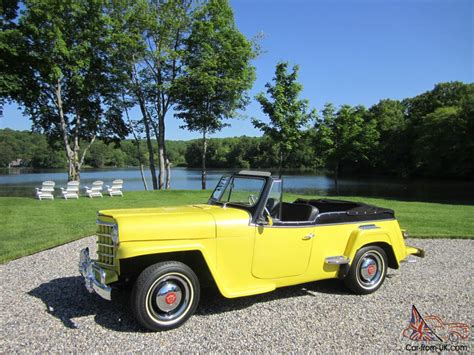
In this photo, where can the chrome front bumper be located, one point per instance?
(89, 270)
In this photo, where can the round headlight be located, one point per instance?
(115, 234)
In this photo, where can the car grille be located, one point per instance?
(105, 245)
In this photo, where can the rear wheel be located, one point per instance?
(367, 271)
(165, 295)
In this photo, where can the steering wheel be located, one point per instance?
(252, 199)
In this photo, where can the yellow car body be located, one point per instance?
(245, 259)
(242, 254)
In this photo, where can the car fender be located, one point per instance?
(362, 237)
(207, 248)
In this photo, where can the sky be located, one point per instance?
(349, 52)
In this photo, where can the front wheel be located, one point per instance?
(367, 271)
(165, 295)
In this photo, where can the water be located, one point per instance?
(22, 182)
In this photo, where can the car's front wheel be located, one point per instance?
(367, 271)
(165, 295)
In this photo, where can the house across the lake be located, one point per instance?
(16, 163)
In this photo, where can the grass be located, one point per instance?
(28, 225)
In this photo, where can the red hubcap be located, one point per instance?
(170, 298)
(371, 269)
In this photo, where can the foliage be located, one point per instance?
(389, 156)
(344, 135)
(70, 75)
(217, 73)
(10, 52)
(165, 25)
(288, 115)
(31, 148)
(442, 130)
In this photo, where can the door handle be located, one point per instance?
(309, 236)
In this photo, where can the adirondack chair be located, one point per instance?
(46, 190)
(116, 188)
(95, 190)
(71, 190)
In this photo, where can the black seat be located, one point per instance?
(298, 212)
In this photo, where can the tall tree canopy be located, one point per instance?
(389, 155)
(71, 74)
(288, 114)
(167, 25)
(344, 135)
(442, 126)
(217, 75)
(10, 52)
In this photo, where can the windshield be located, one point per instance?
(239, 190)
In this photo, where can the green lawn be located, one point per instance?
(28, 225)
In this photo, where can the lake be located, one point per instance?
(22, 182)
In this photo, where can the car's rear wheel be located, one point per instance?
(367, 271)
(165, 295)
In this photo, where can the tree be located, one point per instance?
(345, 136)
(217, 73)
(131, 21)
(443, 148)
(391, 157)
(163, 28)
(10, 52)
(440, 126)
(71, 74)
(169, 24)
(288, 115)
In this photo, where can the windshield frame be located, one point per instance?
(252, 209)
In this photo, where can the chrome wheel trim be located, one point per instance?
(370, 269)
(169, 298)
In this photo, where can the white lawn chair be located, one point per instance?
(116, 188)
(95, 190)
(71, 190)
(46, 190)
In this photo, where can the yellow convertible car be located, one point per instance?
(246, 240)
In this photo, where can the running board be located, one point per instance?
(337, 260)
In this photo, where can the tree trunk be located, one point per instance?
(162, 158)
(162, 149)
(168, 174)
(63, 129)
(73, 173)
(151, 154)
(146, 122)
(137, 145)
(143, 177)
(204, 151)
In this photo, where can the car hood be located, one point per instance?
(168, 223)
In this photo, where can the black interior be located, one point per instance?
(298, 212)
(324, 205)
(325, 211)
(336, 211)
(291, 212)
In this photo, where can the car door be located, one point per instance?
(281, 251)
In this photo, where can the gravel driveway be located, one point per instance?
(45, 307)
